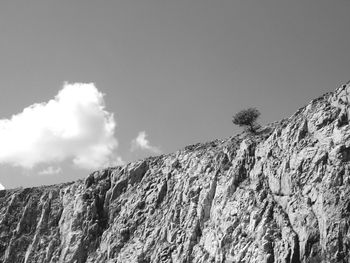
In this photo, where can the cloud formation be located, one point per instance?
(72, 126)
(50, 170)
(141, 143)
(1, 187)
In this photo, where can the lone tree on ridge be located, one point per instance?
(247, 118)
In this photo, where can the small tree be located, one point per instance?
(247, 118)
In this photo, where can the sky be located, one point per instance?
(88, 84)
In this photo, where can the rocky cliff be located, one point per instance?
(281, 195)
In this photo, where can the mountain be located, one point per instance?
(280, 195)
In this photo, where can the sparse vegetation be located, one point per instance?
(247, 118)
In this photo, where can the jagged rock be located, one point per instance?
(281, 195)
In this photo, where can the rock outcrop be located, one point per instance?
(280, 195)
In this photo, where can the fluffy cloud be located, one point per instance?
(72, 126)
(1, 187)
(50, 170)
(141, 143)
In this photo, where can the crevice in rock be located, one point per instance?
(162, 193)
(118, 189)
(295, 250)
(303, 131)
(343, 119)
(294, 255)
(194, 239)
(210, 198)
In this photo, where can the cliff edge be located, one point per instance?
(282, 195)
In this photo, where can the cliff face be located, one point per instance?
(282, 195)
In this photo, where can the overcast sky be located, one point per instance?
(87, 84)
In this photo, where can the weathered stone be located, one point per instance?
(118, 189)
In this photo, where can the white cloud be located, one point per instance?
(117, 161)
(50, 170)
(141, 143)
(72, 126)
(2, 187)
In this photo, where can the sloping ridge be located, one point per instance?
(282, 195)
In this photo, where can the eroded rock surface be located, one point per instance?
(281, 195)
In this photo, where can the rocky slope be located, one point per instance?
(282, 195)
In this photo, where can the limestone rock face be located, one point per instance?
(281, 195)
